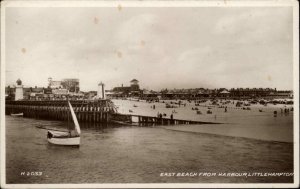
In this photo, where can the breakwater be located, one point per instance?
(86, 111)
(152, 121)
(98, 111)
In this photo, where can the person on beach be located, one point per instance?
(171, 116)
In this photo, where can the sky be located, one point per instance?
(177, 47)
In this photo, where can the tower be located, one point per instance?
(101, 92)
(50, 81)
(134, 85)
(19, 90)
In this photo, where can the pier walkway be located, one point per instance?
(150, 120)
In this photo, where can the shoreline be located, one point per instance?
(226, 136)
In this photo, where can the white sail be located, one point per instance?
(77, 128)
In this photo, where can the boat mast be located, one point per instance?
(68, 112)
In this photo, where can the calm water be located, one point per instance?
(138, 155)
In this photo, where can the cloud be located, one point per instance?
(257, 25)
(165, 47)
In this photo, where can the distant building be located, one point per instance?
(19, 92)
(186, 93)
(10, 93)
(126, 91)
(54, 84)
(35, 93)
(90, 95)
(254, 92)
(72, 85)
(60, 91)
(150, 94)
(68, 88)
(282, 94)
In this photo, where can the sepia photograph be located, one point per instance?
(139, 94)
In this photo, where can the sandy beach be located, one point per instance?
(236, 121)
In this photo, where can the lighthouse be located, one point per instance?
(101, 92)
(19, 90)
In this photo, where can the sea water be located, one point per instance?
(110, 154)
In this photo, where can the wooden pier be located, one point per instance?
(100, 111)
(86, 111)
(152, 121)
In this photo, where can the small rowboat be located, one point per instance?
(66, 138)
(17, 115)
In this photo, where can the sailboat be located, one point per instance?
(70, 138)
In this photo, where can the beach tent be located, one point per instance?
(224, 93)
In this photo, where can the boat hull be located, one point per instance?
(17, 115)
(62, 138)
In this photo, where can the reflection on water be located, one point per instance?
(61, 125)
(110, 154)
